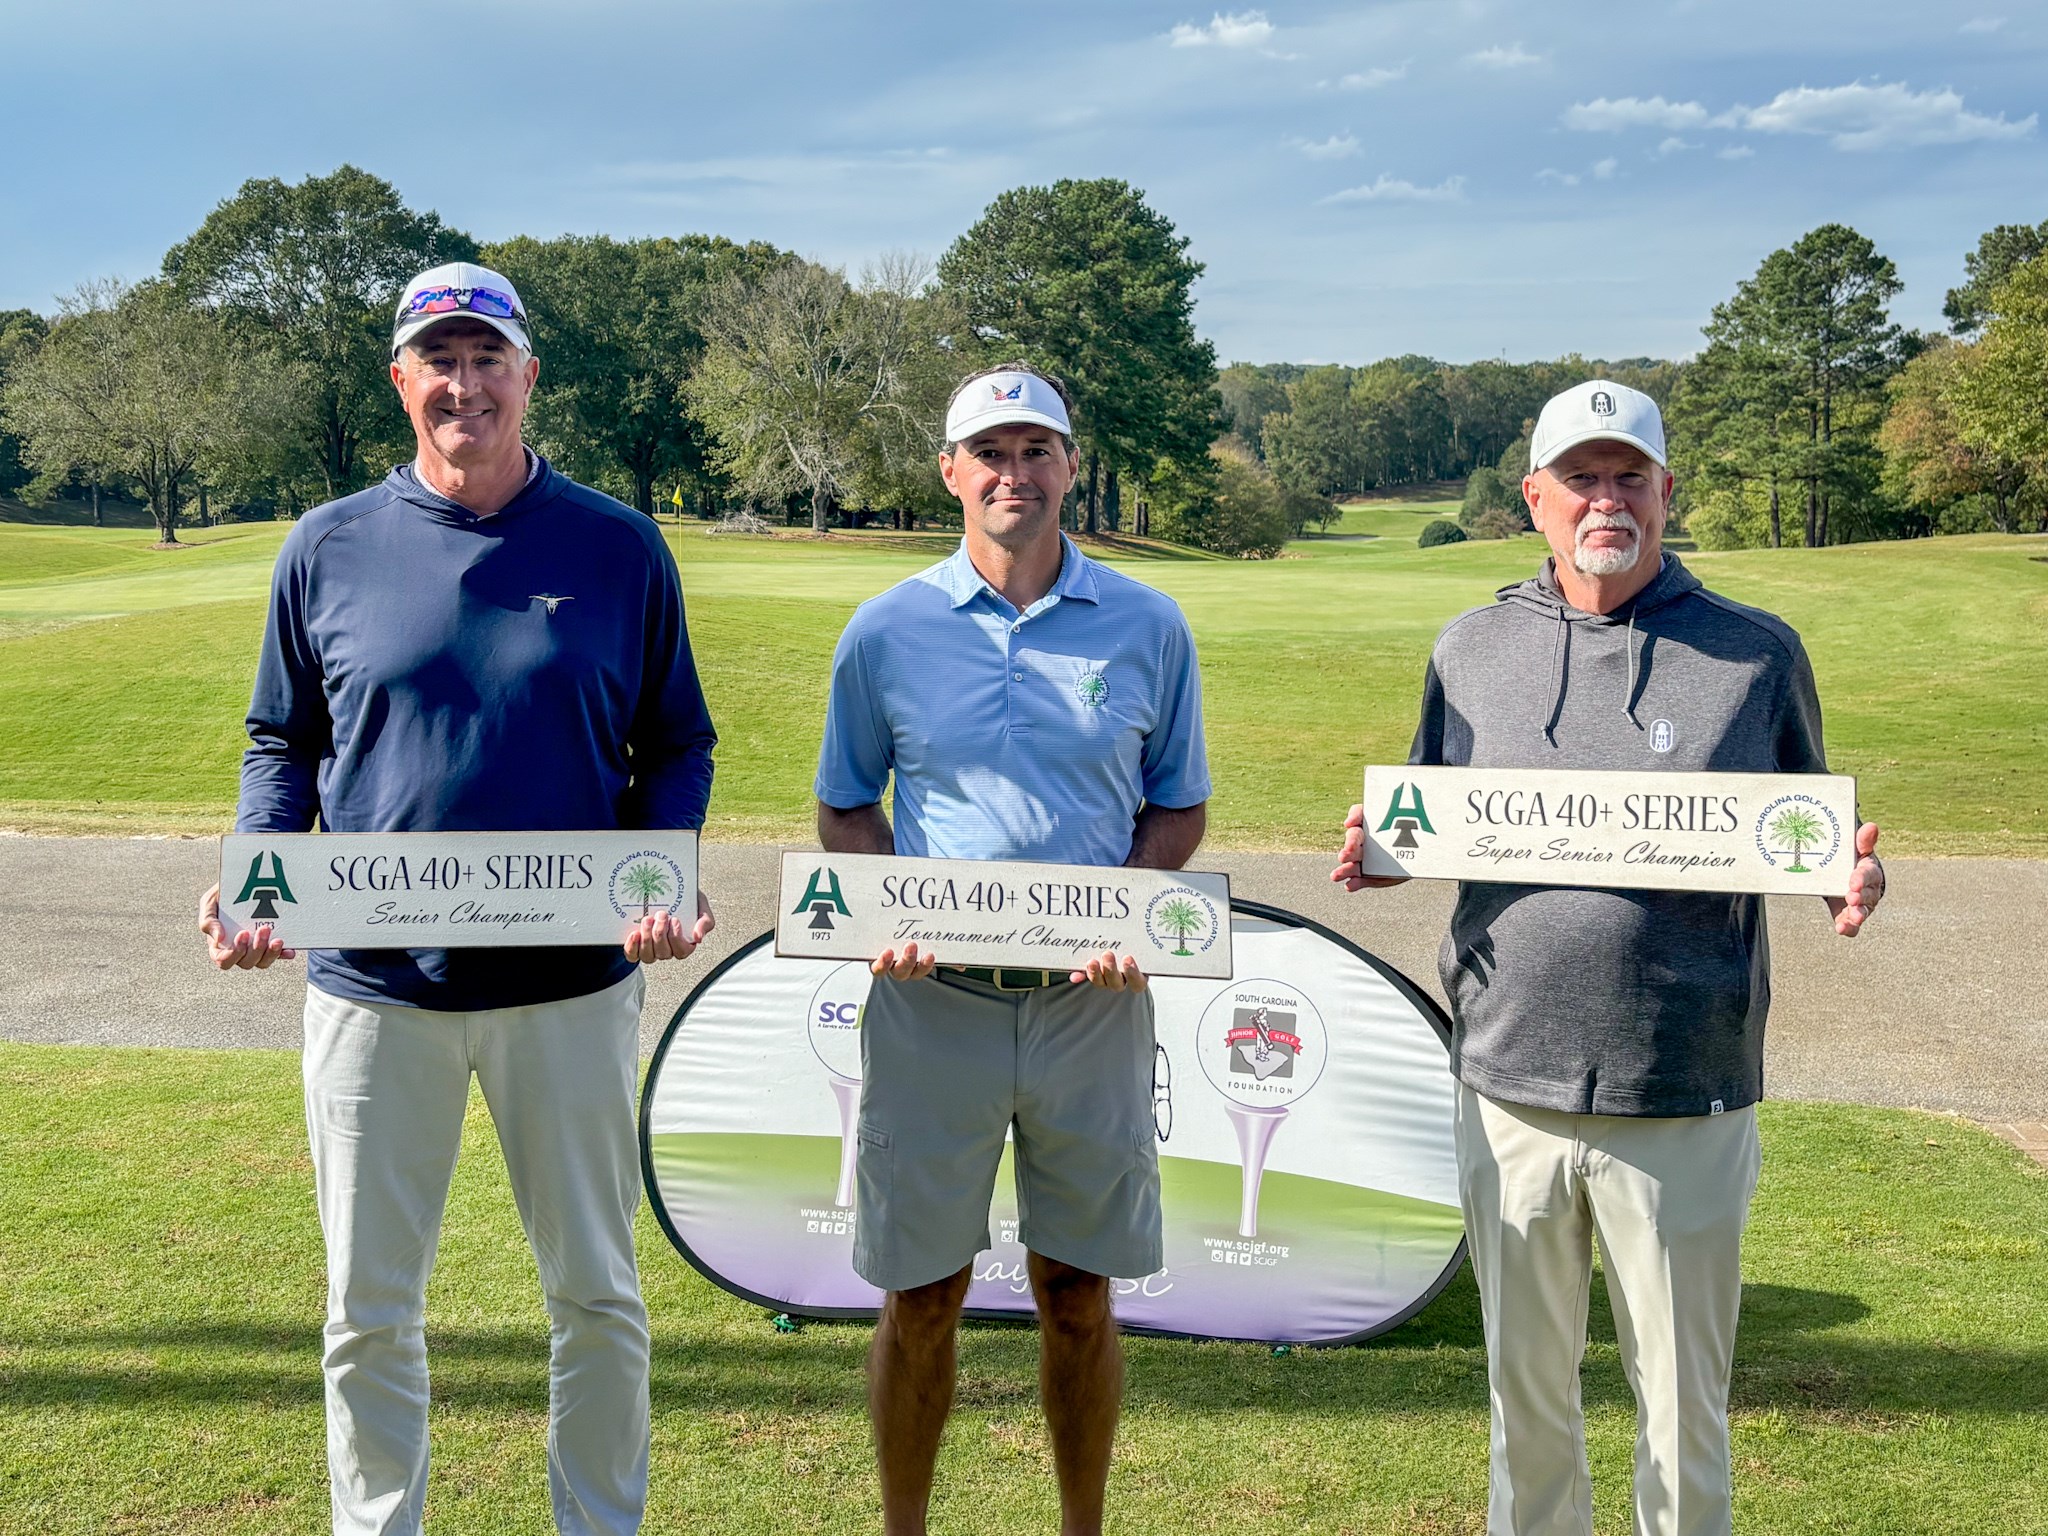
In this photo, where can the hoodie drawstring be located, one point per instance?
(1628, 699)
(1560, 639)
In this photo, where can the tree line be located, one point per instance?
(1808, 417)
(1811, 418)
(692, 372)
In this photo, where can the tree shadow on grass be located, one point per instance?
(1791, 1355)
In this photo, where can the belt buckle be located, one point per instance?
(1001, 971)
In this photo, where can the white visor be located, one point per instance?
(1005, 399)
(470, 285)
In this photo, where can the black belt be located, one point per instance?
(1006, 978)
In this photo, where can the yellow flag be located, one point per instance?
(675, 498)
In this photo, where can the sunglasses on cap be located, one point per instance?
(494, 302)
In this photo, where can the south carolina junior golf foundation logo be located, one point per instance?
(645, 883)
(1798, 834)
(1182, 921)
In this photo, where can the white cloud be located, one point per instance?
(1605, 116)
(1983, 24)
(1861, 116)
(1734, 152)
(1391, 189)
(1674, 145)
(1238, 29)
(1338, 146)
(1601, 170)
(1514, 56)
(1371, 79)
(1857, 116)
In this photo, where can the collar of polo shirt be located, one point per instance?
(1076, 579)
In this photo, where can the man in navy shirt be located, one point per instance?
(477, 644)
(1030, 704)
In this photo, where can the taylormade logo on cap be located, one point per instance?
(459, 290)
(1596, 410)
(1005, 399)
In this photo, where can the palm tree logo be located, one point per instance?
(645, 883)
(1798, 829)
(1181, 918)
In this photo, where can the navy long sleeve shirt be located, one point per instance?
(427, 669)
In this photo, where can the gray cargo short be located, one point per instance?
(948, 1066)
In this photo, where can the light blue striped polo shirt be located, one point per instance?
(1016, 736)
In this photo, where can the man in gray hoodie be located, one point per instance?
(1608, 1044)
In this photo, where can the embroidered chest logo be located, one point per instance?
(1092, 689)
(551, 600)
(1662, 737)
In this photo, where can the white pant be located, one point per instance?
(1667, 1199)
(386, 1089)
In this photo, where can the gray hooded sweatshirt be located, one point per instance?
(1614, 1002)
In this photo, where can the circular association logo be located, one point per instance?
(645, 883)
(1092, 688)
(1262, 1043)
(1181, 920)
(1798, 834)
(835, 1018)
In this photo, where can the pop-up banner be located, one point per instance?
(1304, 1109)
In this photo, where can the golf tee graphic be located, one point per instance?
(1262, 1046)
(835, 1019)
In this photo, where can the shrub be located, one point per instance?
(1490, 491)
(1249, 519)
(1230, 503)
(1499, 524)
(1442, 531)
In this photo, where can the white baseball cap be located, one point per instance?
(1005, 399)
(1596, 409)
(460, 290)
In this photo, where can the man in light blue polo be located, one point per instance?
(1031, 704)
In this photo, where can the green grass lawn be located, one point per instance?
(161, 1293)
(124, 672)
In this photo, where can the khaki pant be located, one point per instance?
(1667, 1199)
(386, 1089)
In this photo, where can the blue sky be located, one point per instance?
(1464, 178)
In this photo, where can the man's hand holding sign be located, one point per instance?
(1613, 762)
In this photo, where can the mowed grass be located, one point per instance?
(124, 672)
(161, 1292)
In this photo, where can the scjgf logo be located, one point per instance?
(1406, 820)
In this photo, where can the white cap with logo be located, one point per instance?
(1598, 409)
(1005, 399)
(460, 290)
